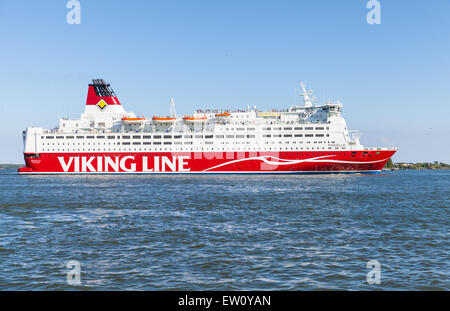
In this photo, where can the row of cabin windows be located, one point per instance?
(194, 149)
(179, 143)
(166, 142)
(255, 153)
(238, 129)
(320, 128)
(188, 143)
(185, 136)
(295, 128)
(295, 135)
(176, 136)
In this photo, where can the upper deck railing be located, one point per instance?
(380, 148)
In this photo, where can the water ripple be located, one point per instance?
(225, 232)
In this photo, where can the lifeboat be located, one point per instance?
(195, 119)
(223, 114)
(133, 120)
(164, 120)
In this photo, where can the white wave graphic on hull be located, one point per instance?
(266, 160)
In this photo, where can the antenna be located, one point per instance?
(308, 97)
(173, 111)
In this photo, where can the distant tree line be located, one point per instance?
(417, 166)
(10, 166)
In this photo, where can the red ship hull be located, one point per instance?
(370, 161)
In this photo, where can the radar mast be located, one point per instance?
(308, 97)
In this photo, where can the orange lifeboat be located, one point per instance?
(163, 120)
(195, 119)
(223, 114)
(133, 120)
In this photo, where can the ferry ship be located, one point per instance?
(107, 139)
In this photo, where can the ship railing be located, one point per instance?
(52, 131)
(380, 148)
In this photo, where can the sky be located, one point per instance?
(393, 78)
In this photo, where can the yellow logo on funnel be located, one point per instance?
(102, 105)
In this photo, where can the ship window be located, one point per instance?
(89, 136)
(240, 136)
(137, 137)
(111, 137)
(99, 137)
(250, 136)
(308, 128)
(267, 135)
(298, 135)
(167, 143)
(288, 128)
(147, 136)
(298, 128)
(177, 136)
(319, 128)
(187, 136)
(319, 135)
(126, 143)
(230, 136)
(287, 135)
(277, 128)
(267, 129)
(69, 137)
(239, 129)
(167, 136)
(219, 136)
(250, 129)
(80, 137)
(157, 143)
(309, 135)
(198, 136)
(276, 135)
(59, 137)
(188, 142)
(157, 136)
(208, 136)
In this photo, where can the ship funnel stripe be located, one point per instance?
(100, 90)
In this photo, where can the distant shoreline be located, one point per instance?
(10, 166)
(416, 166)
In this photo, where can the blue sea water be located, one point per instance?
(225, 232)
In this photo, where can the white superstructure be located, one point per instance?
(307, 128)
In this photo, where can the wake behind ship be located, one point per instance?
(109, 140)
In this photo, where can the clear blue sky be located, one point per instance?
(393, 78)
